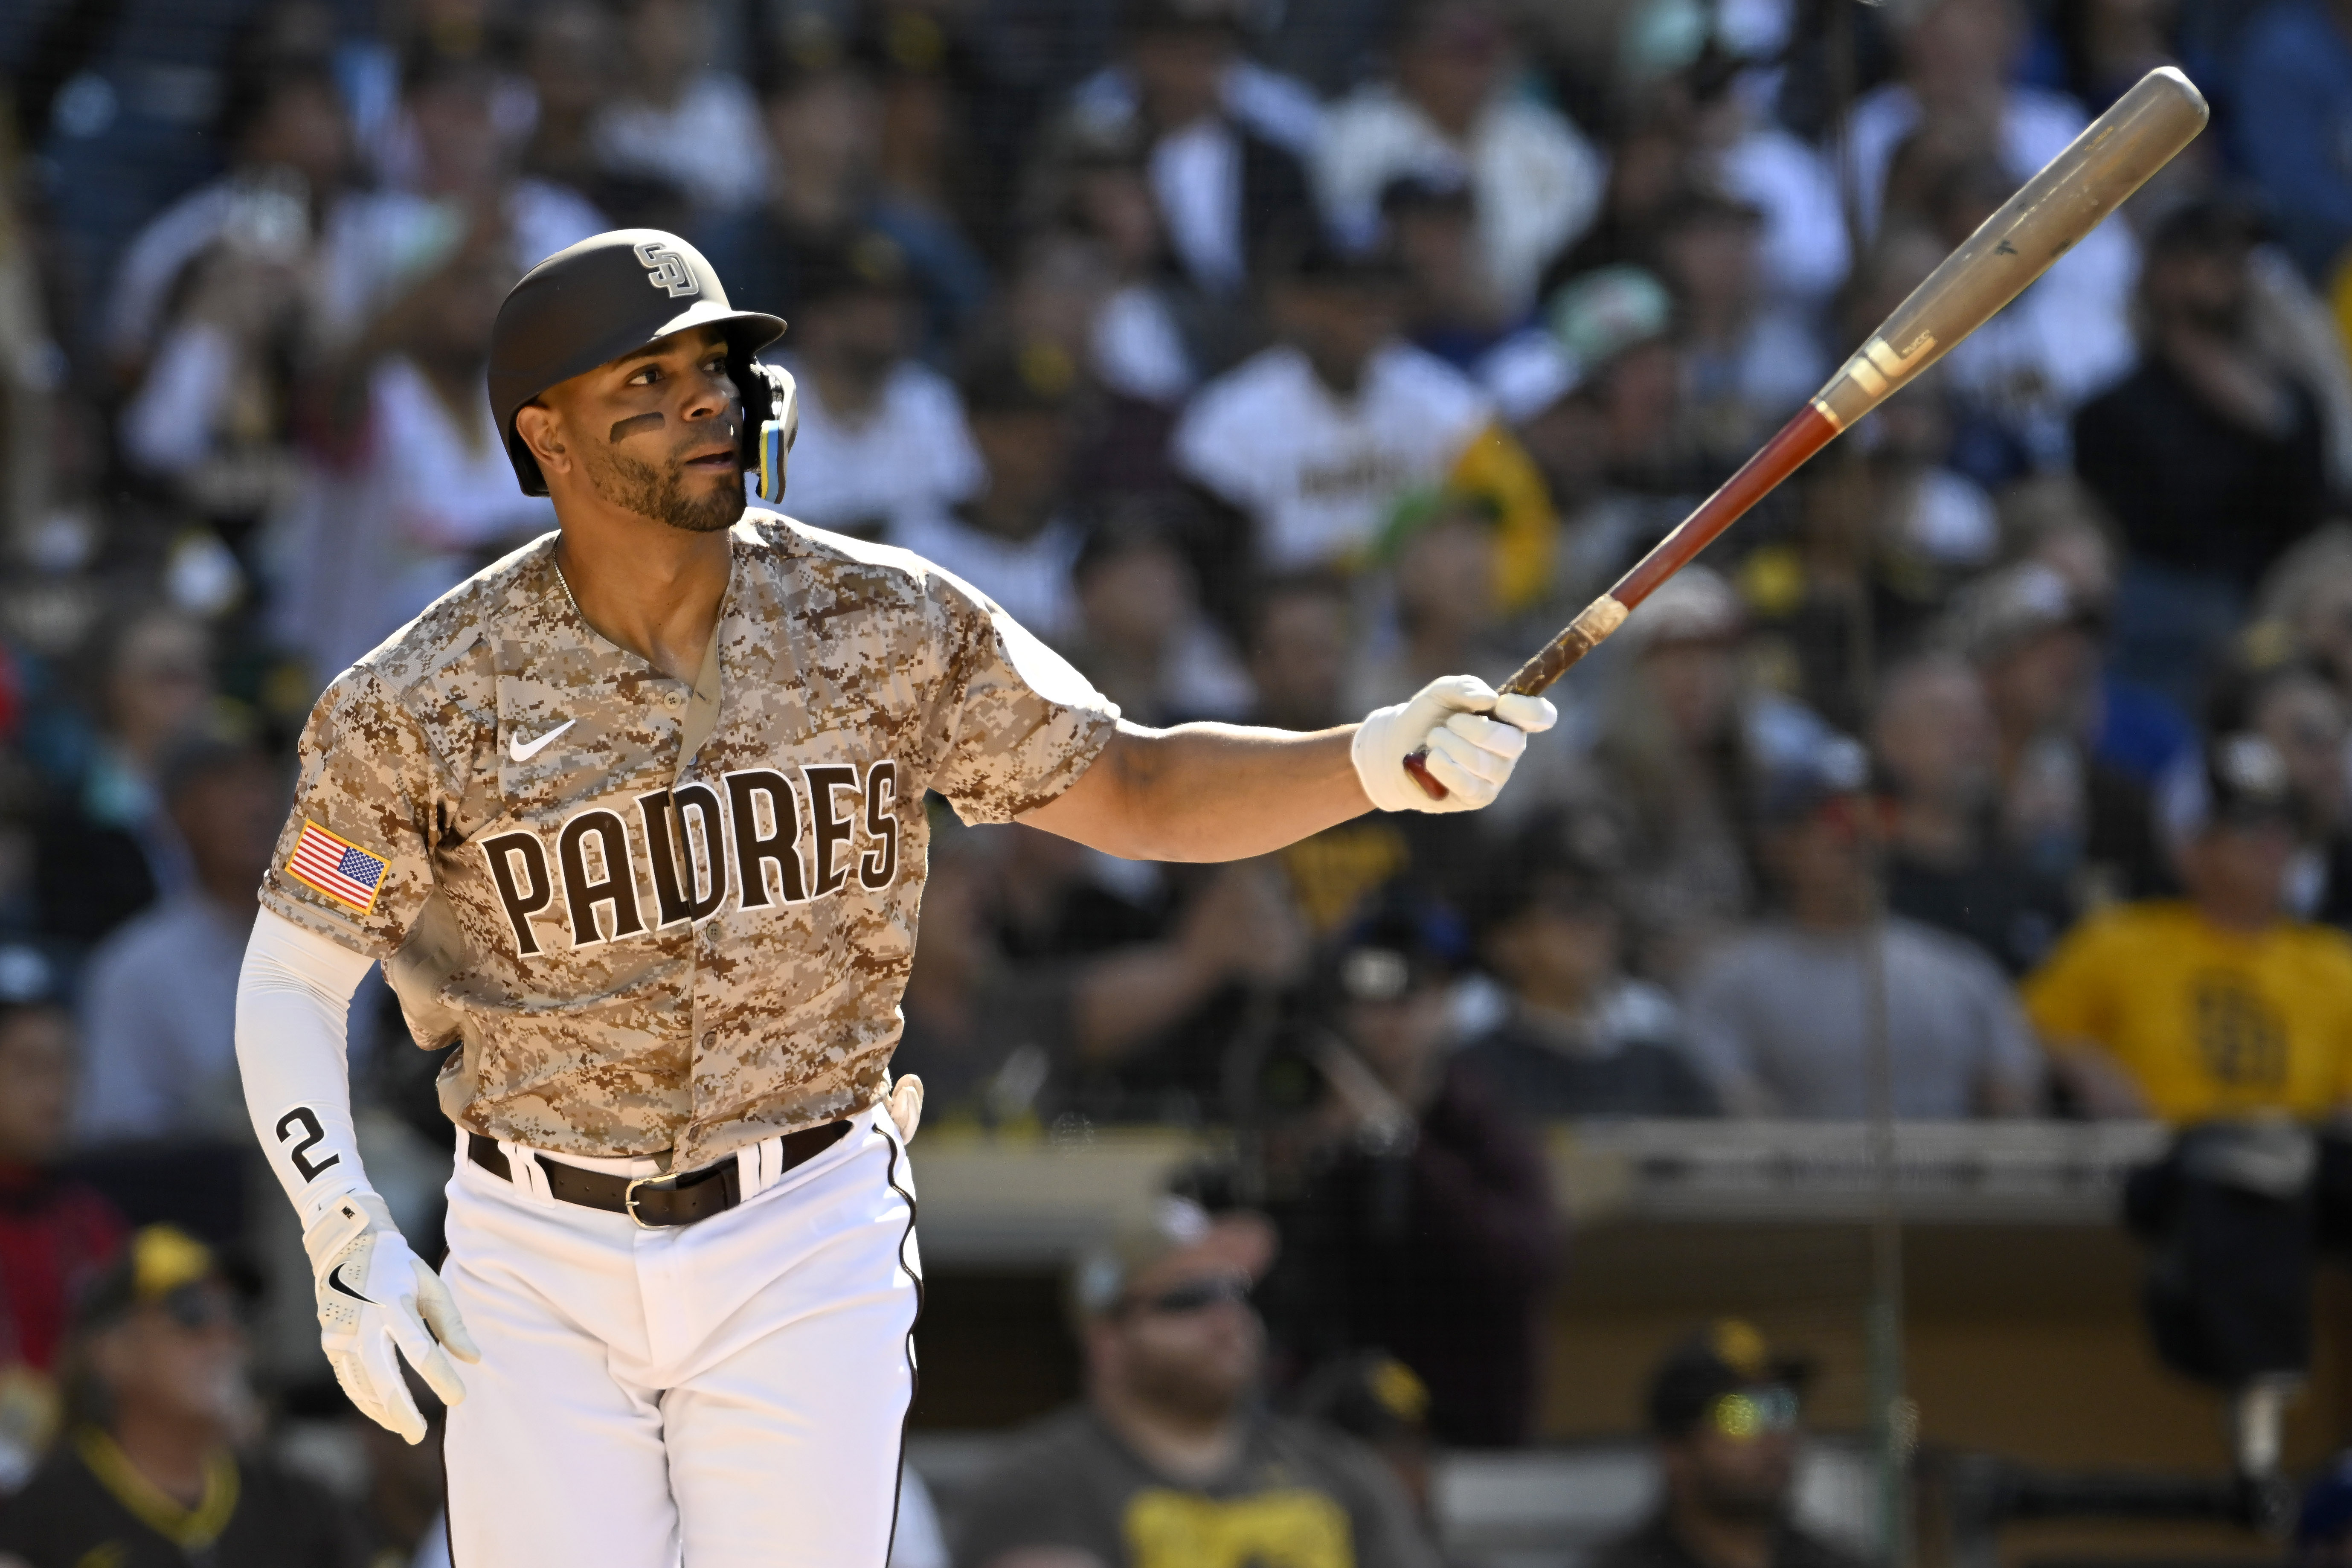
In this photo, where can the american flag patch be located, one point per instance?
(336, 866)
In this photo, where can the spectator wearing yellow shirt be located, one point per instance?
(2219, 1006)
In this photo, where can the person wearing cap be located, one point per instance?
(1171, 1456)
(1309, 443)
(1451, 308)
(1439, 560)
(1380, 1401)
(633, 820)
(1582, 1037)
(1751, 363)
(1143, 638)
(679, 116)
(2037, 642)
(1220, 136)
(1423, 1222)
(56, 1232)
(1948, 864)
(159, 995)
(106, 849)
(153, 1469)
(426, 496)
(1448, 105)
(1781, 1017)
(1683, 736)
(1728, 1413)
(881, 434)
(2220, 1004)
(1017, 537)
(2213, 453)
(1956, 67)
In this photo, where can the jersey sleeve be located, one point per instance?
(1027, 724)
(354, 860)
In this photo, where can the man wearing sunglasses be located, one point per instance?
(1171, 1458)
(1728, 1413)
(145, 1474)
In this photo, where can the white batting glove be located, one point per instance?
(375, 1295)
(905, 1103)
(1470, 754)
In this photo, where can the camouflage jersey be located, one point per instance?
(663, 916)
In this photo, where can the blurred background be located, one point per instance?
(1873, 1069)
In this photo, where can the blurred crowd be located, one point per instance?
(1269, 358)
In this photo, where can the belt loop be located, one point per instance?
(756, 1166)
(526, 1173)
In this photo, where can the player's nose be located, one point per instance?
(711, 394)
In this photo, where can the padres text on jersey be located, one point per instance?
(643, 949)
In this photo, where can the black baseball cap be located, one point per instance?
(2243, 783)
(1725, 1357)
(867, 261)
(159, 1263)
(595, 302)
(1372, 1397)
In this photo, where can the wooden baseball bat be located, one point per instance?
(2111, 158)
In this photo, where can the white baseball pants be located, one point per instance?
(730, 1394)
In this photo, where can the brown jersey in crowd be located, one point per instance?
(662, 916)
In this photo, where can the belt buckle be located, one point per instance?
(629, 1197)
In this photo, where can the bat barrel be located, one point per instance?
(2113, 157)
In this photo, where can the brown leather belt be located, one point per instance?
(657, 1202)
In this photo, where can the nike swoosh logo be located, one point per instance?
(522, 752)
(335, 1282)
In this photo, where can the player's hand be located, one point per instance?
(1471, 753)
(905, 1104)
(375, 1296)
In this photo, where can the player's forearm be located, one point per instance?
(293, 994)
(1208, 792)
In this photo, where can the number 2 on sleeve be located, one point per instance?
(306, 1120)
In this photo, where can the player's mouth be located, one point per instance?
(714, 460)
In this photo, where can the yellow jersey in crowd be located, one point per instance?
(2210, 1021)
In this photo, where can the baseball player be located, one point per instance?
(634, 818)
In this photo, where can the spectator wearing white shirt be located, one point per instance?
(882, 436)
(1451, 107)
(426, 494)
(1016, 539)
(1310, 443)
(290, 144)
(678, 118)
(214, 294)
(159, 996)
(1739, 149)
(1748, 364)
(1980, 136)
(1141, 639)
(1222, 139)
(464, 180)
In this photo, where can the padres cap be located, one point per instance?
(1725, 1357)
(608, 294)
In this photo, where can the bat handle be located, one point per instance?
(1416, 763)
(1600, 618)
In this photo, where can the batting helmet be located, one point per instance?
(619, 290)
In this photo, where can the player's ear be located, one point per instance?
(541, 430)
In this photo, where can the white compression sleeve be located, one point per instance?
(293, 996)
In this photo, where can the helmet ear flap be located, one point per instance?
(772, 421)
